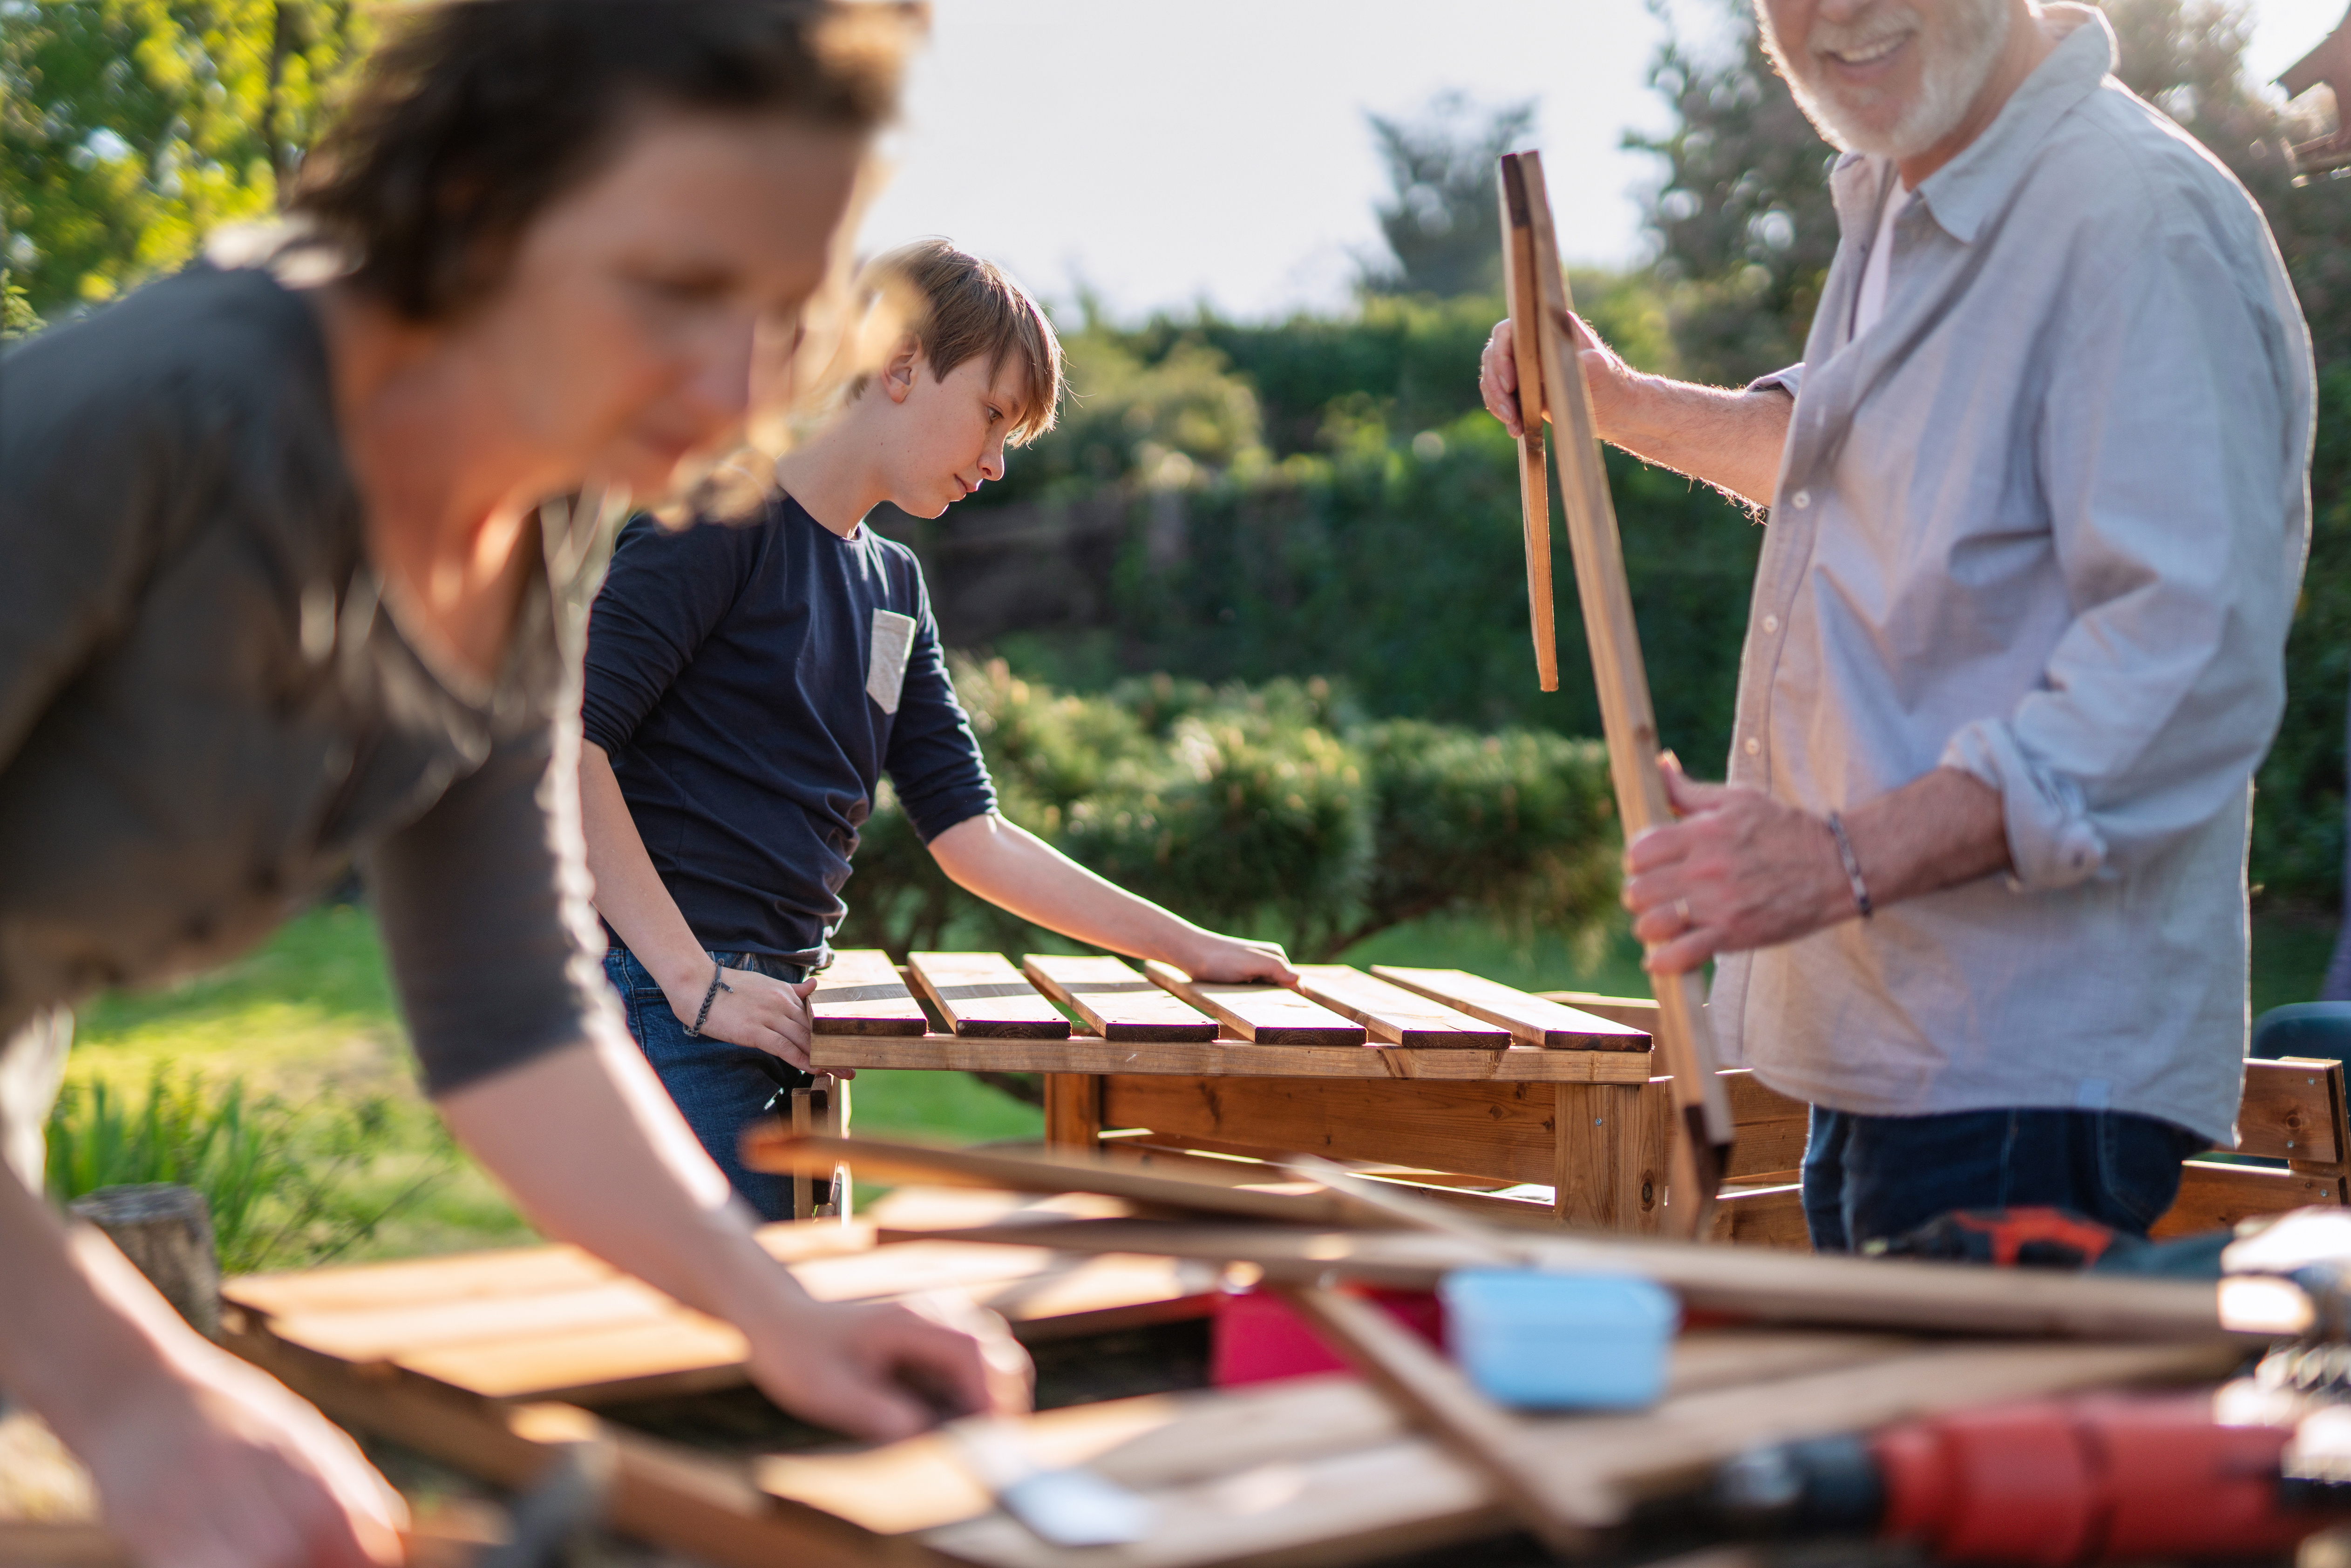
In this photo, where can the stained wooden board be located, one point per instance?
(983, 997)
(1263, 1015)
(859, 993)
(1527, 1018)
(1393, 1014)
(1230, 1058)
(1115, 1001)
(2288, 1111)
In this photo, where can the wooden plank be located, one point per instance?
(1553, 1505)
(859, 993)
(1525, 306)
(1502, 1130)
(1228, 1059)
(1628, 718)
(2212, 1195)
(1759, 1284)
(1635, 1012)
(982, 996)
(1393, 1014)
(1763, 1216)
(1074, 1112)
(1609, 1158)
(1529, 1018)
(1263, 1015)
(1115, 1002)
(2288, 1112)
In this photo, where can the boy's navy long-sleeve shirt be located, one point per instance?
(751, 684)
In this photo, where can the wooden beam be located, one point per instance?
(1531, 1019)
(983, 997)
(1116, 1003)
(1230, 1058)
(1686, 1043)
(1393, 1014)
(1525, 306)
(1074, 1112)
(1264, 1015)
(859, 993)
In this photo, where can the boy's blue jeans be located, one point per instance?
(719, 1087)
(1870, 1179)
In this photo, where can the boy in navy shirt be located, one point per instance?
(749, 685)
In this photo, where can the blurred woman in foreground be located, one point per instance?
(280, 593)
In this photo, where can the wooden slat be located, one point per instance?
(1264, 1015)
(1628, 719)
(1116, 1003)
(1525, 304)
(1503, 1130)
(1230, 1058)
(1529, 1018)
(2288, 1112)
(2212, 1196)
(859, 993)
(983, 997)
(1393, 1014)
(1634, 1012)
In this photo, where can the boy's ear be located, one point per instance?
(898, 371)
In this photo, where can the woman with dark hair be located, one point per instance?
(284, 592)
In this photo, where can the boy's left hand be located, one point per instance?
(1229, 960)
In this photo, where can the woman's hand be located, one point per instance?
(212, 1464)
(1231, 959)
(884, 1372)
(752, 1010)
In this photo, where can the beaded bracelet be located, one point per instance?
(718, 984)
(1852, 867)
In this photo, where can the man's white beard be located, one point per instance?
(1947, 83)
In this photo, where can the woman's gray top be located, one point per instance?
(207, 711)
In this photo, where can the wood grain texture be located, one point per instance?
(1074, 1112)
(1763, 1216)
(1525, 304)
(1628, 718)
(1263, 1015)
(1394, 1015)
(1230, 1058)
(1634, 1012)
(2288, 1111)
(859, 993)
(1610, 1160)
(982, 996)
(2212, 1196)
(1500, 1130)
(1529, 1019)
(1115, 1001)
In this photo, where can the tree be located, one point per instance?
(1441, 222)
(130, 128)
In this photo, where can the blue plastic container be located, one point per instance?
(1536, 1341)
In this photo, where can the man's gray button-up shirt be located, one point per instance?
(2043, 522)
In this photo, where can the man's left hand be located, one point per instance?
(1739, 870)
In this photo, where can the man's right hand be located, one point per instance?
(754, 1009)
(212, 1464)
(1607, 378)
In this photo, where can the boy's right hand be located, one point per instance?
(755, 1009)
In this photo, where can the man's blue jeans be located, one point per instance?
(719, 1087)
(1872, 1179)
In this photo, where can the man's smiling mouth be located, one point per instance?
(1868, 53)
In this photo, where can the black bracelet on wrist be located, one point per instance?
(718, 984)
(1852, 867)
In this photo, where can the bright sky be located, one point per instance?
(1162, 152)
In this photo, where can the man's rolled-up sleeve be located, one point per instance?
(2173, 449)
(494, 949)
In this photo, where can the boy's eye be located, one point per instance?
(994, 414)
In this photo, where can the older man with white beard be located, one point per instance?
(2038, 503)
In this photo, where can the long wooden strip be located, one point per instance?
(1529, 1018)
(983, 997)
(1393, 1014)
(1231, 1059)
(859, 993)
(1702, 1142)
(1534, 480)
(767, 1149)
(1115, 1002)
(1263, 1015)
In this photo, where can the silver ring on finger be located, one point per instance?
(1682, 911)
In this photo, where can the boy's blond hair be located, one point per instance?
(959, 308)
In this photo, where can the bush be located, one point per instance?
(286, 1185)
(1273, 809)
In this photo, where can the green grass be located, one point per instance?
(304, 1032)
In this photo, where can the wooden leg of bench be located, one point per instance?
(1611, 1143)
(1073, 1111)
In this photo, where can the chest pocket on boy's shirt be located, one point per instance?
(886, 666)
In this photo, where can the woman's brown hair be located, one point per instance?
(475, 114)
